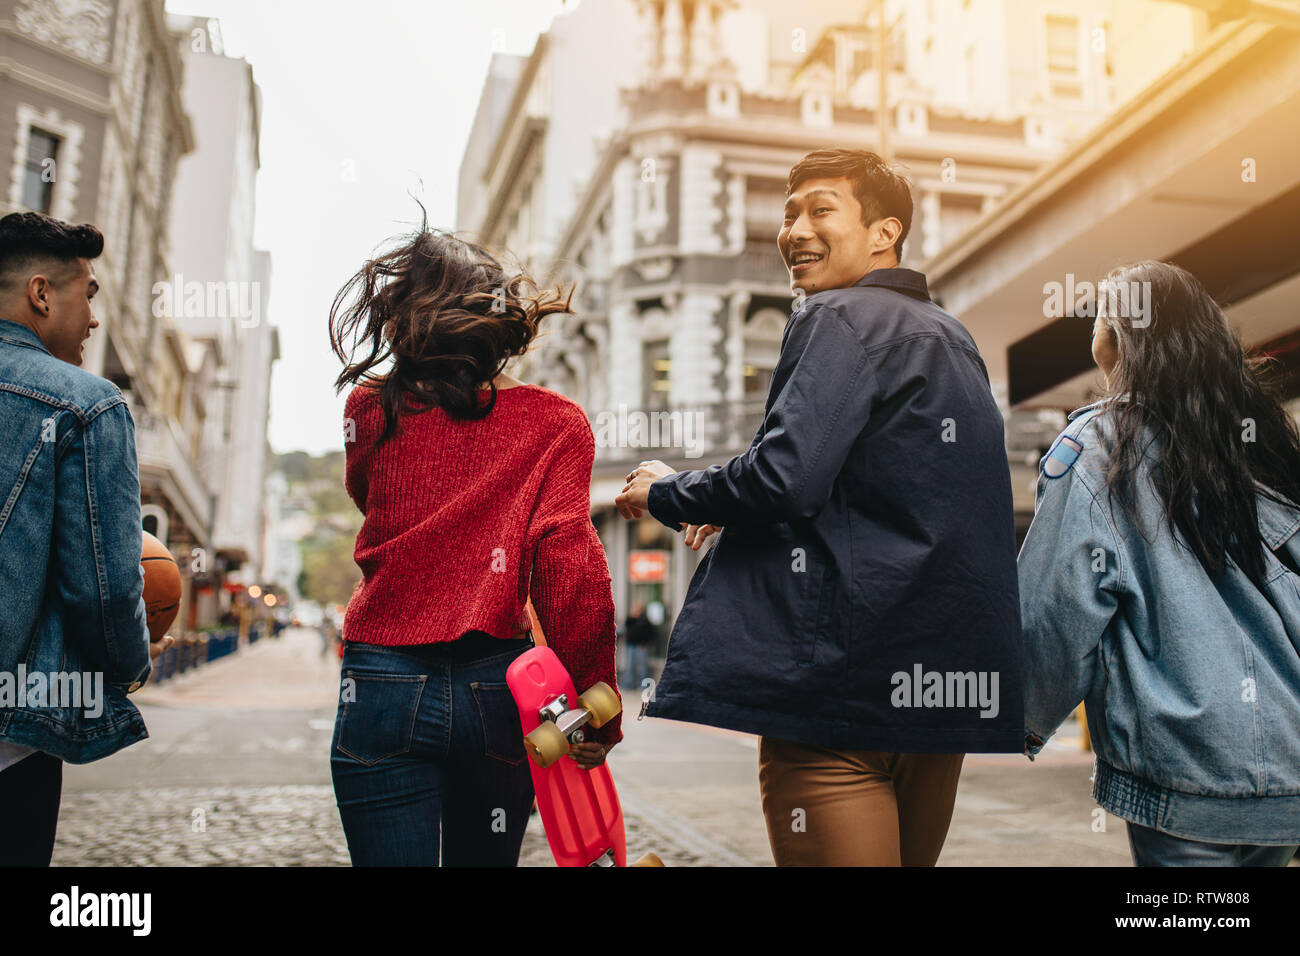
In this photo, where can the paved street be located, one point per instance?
(236, 772)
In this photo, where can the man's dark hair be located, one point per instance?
(30, 241)
(880, 190)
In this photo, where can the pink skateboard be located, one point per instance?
(579, 808)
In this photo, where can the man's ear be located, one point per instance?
(38, 293)
(885, 233)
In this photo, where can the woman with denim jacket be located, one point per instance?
(476, 494)
(1158, 583)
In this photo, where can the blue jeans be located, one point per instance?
(1153, 848)
(638, 665)
(428, 758)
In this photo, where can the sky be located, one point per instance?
(364, 104)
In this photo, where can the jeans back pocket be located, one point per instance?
(377, 715)
(503, 736)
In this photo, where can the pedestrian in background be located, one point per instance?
(475, 491)
(638, 637)
(1158, 582)
(70, 538)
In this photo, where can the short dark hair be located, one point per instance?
(880, 189)
(29, 240)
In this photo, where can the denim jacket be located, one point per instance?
(70, 576)
(1191, 684)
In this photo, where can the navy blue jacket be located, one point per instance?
(863, 593)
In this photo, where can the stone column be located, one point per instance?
(704, 46)
(736, 346)
(674, 40)
(648, 39)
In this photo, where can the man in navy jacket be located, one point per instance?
(860, 610)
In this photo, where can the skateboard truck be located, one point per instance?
(568, 721)
(560, 726)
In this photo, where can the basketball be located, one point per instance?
(162, 586)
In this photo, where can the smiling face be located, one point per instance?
(824, 242)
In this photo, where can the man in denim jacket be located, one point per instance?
(73, 640)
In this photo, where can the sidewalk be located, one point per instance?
(286, 672)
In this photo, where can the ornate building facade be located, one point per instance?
(212, 240)
(659, 191)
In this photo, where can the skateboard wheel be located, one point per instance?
(546, 744)
(649, 859)
(601, 702)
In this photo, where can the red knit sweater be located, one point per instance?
(464, 519)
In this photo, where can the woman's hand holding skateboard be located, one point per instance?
(588, 755)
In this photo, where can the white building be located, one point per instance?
(219, 290)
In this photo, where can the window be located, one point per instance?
(658, 372)
(1063, 81)
(763, 333)
(38, 174)
(764, 210)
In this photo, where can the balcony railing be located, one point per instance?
(161, 456)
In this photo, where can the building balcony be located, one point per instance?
(167, 469)
(761, 263)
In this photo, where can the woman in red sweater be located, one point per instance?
(475, 491)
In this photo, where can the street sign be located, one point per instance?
(647, 565)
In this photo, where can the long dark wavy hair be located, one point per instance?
(449, 316)
(1189, 387)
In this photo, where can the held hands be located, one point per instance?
(156, 648)
(633, 501)
(698, 534)
(588, 755)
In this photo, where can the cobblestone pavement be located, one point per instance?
(254, 826)
(201, 826)
(236, 772)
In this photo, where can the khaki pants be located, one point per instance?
(855, 807)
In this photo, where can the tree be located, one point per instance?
(329, 574)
